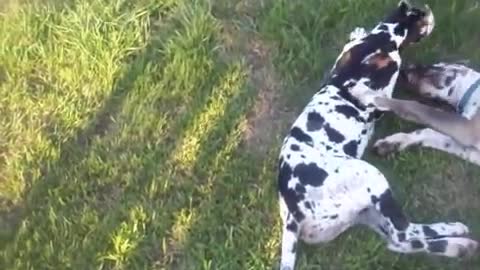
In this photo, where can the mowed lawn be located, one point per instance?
(144, 134)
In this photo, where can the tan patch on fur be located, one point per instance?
(380, 60)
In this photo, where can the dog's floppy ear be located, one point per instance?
(404, 4)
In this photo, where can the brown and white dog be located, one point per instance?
(456, 132)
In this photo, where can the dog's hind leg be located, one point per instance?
(445, 239)
(385, 216)
(289, 242)
(427, 138)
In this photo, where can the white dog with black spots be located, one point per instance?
(324, 186)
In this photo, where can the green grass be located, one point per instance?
(144, 134)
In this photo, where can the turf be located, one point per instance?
(143, 134)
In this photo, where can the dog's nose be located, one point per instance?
(409, 76)
(403, 75)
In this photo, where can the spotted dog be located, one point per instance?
(324, 187)
(455, 132)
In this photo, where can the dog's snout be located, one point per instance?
(410, 74)
(403, 76)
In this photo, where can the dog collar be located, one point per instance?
(468, 95)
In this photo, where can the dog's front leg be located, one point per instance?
(427, 138)
(464, 131)
(451, 124)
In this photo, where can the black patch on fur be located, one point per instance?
(308, 205)
(333, 134)
(345, 94)
(328, 147)
(300, 188)
(295, 147)
(301, 136)
(450, 91)
(347, 111)
(390, 209)
(383, 27)
(416, 244)
(315, 121)
(438, 246)
(364, 131)
(375, 115)
(334, 216)
(399, 30)
(429, 232)
(383, 230)
(402, 237)
(292, 226)
(335, 98)
(351, 148)
(290, 196)
(310, 174)
(449, 79)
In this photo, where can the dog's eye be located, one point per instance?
(449, 80)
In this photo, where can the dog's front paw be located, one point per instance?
(385, 148)
(394, 143)
(358, 33)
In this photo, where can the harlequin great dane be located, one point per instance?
(324, 187)
(456, 132)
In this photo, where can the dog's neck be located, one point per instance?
(467, 89)
(454, 95)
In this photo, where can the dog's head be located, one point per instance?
(411, 23)
(445, 81)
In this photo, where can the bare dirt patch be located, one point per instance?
(270, 115)
(10, 216)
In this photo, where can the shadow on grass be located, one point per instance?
(55, 230)
(78, 147)
(55, 174)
